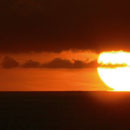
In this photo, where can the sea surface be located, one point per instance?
(64, 110)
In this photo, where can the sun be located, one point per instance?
(114, 69)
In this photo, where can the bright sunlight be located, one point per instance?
(114, 69)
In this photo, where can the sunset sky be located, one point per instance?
(48, 45)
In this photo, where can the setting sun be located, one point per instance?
(114, 69)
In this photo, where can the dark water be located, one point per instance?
(64, 110)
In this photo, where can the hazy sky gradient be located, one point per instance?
(50, 80)
(54, 45)
(47, 25)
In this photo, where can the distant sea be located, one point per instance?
(64, 110)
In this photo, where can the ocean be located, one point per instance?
(65, 110)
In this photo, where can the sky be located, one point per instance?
(61, 37)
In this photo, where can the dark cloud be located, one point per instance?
(60, 63)
(9, 62)
(31, 64)
(55, 25)
(92, 64)
(110, 65)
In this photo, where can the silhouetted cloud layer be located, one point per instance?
(31, 64)
(59, 63)
(110, 65)
(9, 62)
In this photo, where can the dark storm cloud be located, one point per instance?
(9, 62)
(31, 64)
(55, 25)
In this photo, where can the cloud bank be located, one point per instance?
(31, 64)
(57, 63)
(9, 62)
